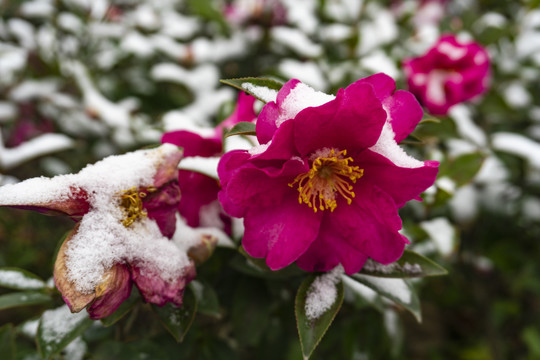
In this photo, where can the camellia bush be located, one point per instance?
(269, 179)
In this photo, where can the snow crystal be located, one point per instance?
(442, 233)
(19, 280)
(260, 92)
(300, 97)
(387, 147)
(57, 323)
(393, 287)
(518, 145)
(322, 293)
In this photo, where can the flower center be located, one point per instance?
(131, 203)
(330, 175)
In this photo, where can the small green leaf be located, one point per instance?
(122, 310)
(58, 328)
(399, 291)
(7, 342)
(26, 298)
(410, 265)
(242, 128)
(263, 89)
(463, 168)
(177, 321)
(20, 279)
(311, 331)
(208, 303)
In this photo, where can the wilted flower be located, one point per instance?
(199, 204)
(125, 207)
(451, 72)
(324, 186)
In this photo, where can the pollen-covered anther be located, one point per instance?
(330, 174)
(131, 203)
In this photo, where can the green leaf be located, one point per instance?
(206, 9)
(122, 310)
(399, 291)
(20, 279)
(242, 128)
(463, 168)
(208, 303)
(263, 89)
(410, 265)
(58, 328)
(176, 320)
(7, 342)
(26, 298)
(311, 331)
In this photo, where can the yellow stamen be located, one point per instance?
(131, 203)
(330, 174)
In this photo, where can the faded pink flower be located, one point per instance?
(325, 185)
(451, 72)
(199, 204)
(125, 207)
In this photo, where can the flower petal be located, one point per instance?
(75, 299)
(162, 206)
(154, 289)
(353, 121)
(404, 113)
(280, 233)
(401, 183)
(193, 144)
(112, 292)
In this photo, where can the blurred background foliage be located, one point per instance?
(106, 77)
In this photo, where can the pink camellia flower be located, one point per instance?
(199, 204)
(325, 185)
(451, 72)
(125, 207)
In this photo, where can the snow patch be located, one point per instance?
(322, 293)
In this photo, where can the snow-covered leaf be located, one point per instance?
(58, 328)
(318, 300)
(410, 265)
(400, 291)
(19, 279)
(263, 89)
(26, 298)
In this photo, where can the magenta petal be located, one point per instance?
(162, 206)
(157, 291)
(280, 233)
(114, 294)
(370, 224)
(402, 184)
(242, 112)
(404, 112)
(352, 121)
(383, 85)
(193, 144)
(330, 250)
(282, 145)
(266, 122)
(198, 190)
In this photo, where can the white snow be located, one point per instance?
(297, 41)
(17, 279)
(387, 146)
(359, 288)
(261, 92)
(308, 72)
(462, 116)
(203, 165)
(322, 293)
(373, 266)
(300, 97)
(454, 53)
(75, 350)
(442, 233)
(516, 95)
